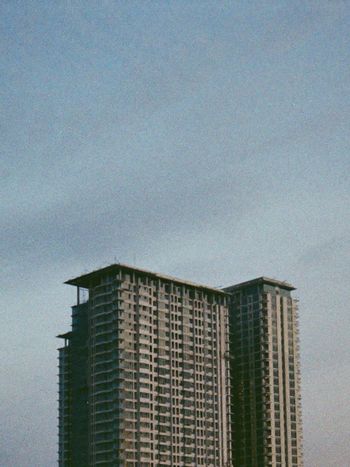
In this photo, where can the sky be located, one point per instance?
(207, 140)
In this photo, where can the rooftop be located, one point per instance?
(66, 335)
(85, 280)
(261, 280)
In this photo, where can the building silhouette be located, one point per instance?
(144, 373)
(265, 375)
(158, 371)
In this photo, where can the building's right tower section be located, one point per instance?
(265, 372)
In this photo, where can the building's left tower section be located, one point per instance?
(64, 408)
(73, 394)
(144, 373)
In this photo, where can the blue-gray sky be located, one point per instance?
(206, 140)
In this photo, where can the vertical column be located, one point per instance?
(299, 434)
(287, 389)
(272, 355)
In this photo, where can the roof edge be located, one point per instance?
(83, 280)
(261, 280)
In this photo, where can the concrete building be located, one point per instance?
(144, 373)
(265, 379)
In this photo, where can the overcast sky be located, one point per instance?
(205, 140)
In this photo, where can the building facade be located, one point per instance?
(144, 373)
(265, 377)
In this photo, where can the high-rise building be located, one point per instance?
(144, 373)
(265, 380)
(158, 371)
